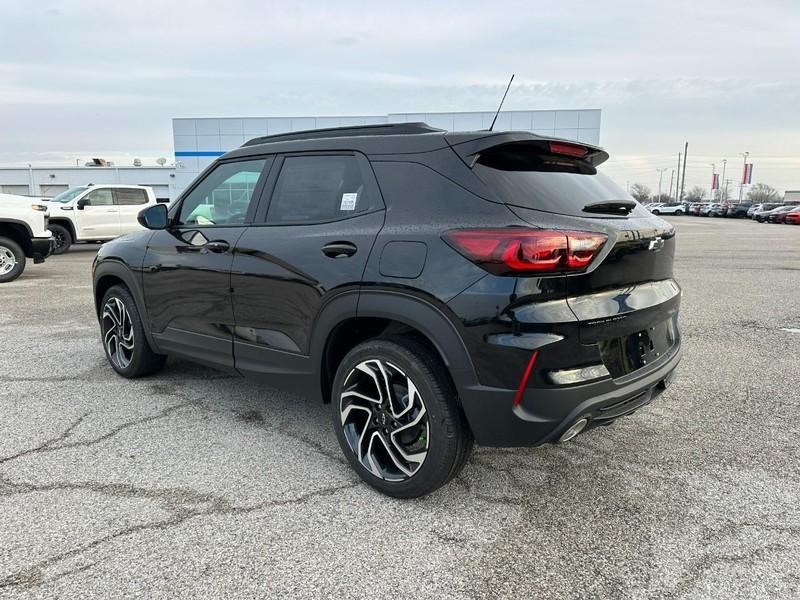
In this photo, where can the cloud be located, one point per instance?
(113, 74)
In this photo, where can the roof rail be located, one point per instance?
(333, 132)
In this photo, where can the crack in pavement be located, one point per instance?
(708, 561)
(50, 444)
(34, 575)
(173, 499)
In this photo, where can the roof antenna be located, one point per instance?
(501, 102)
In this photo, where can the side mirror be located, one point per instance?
(154, 217)
(81, 203)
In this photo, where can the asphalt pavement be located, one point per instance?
(193, 483)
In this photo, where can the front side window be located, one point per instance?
(130, 196)
(318, 188)
(224, 196)
(101, 197)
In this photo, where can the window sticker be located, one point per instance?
(348, 201)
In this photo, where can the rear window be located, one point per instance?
(546, 182)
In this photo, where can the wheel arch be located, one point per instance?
(19, 232)
(109, 274)
(389, 313)
(64, 222)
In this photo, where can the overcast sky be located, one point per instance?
(81, 79)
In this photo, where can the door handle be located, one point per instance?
(218, 246)
(339, 249)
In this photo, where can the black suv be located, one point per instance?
(436, 288)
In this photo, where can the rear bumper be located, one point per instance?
(544, 414)
(41, 248)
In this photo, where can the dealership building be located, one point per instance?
(197, 142)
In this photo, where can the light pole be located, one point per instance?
(671, 176)
(660, 176)
(744, 167)
(724, 193)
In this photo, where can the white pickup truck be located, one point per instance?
(96, 213)
(23, 234)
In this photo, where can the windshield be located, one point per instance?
(69, 194)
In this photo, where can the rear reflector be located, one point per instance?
(517, 251)
(525, 376)
(568, 149)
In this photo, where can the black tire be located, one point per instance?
(62, 238)
(11, 253)
(656, 212)
(139, 361)
(678, 213)
(448, 437)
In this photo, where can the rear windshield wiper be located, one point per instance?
(611, 207)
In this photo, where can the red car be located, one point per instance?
(792, 217)
(777, 215)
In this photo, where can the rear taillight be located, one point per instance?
(517, 251)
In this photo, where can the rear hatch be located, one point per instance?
(626, 300)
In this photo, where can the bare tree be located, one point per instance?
(761, 192)
(661, 198)
(640, 192)
(696, 194)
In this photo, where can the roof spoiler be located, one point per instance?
(470, 146)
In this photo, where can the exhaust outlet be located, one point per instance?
(574, 429)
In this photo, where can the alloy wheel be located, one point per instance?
(7, 260)
(118, 332)
(384, 419)
(59, 239)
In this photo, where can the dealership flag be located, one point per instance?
(715, 181)
(747, 175)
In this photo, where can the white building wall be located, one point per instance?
(50, 181)
(198, 142)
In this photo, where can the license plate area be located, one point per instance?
(629, 353)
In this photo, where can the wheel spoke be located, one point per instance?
(111, 342)
(109, 312)
(360, 396)
(387, 386)
(390, 450)
(365, 369)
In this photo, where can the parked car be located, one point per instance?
(717, 210)
(706, 209)
(761, 208)
(694, 208)
(667, 208)
(737, 211)
(92, 213)
(434, 287)
(777, 215)
(763, 215)
(792, 217)
(23, 235)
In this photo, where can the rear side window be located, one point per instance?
(130, 196)
(313, 189)
(521, 176)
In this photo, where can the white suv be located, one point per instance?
(96, 213)
(667, 208)
(23, 234)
